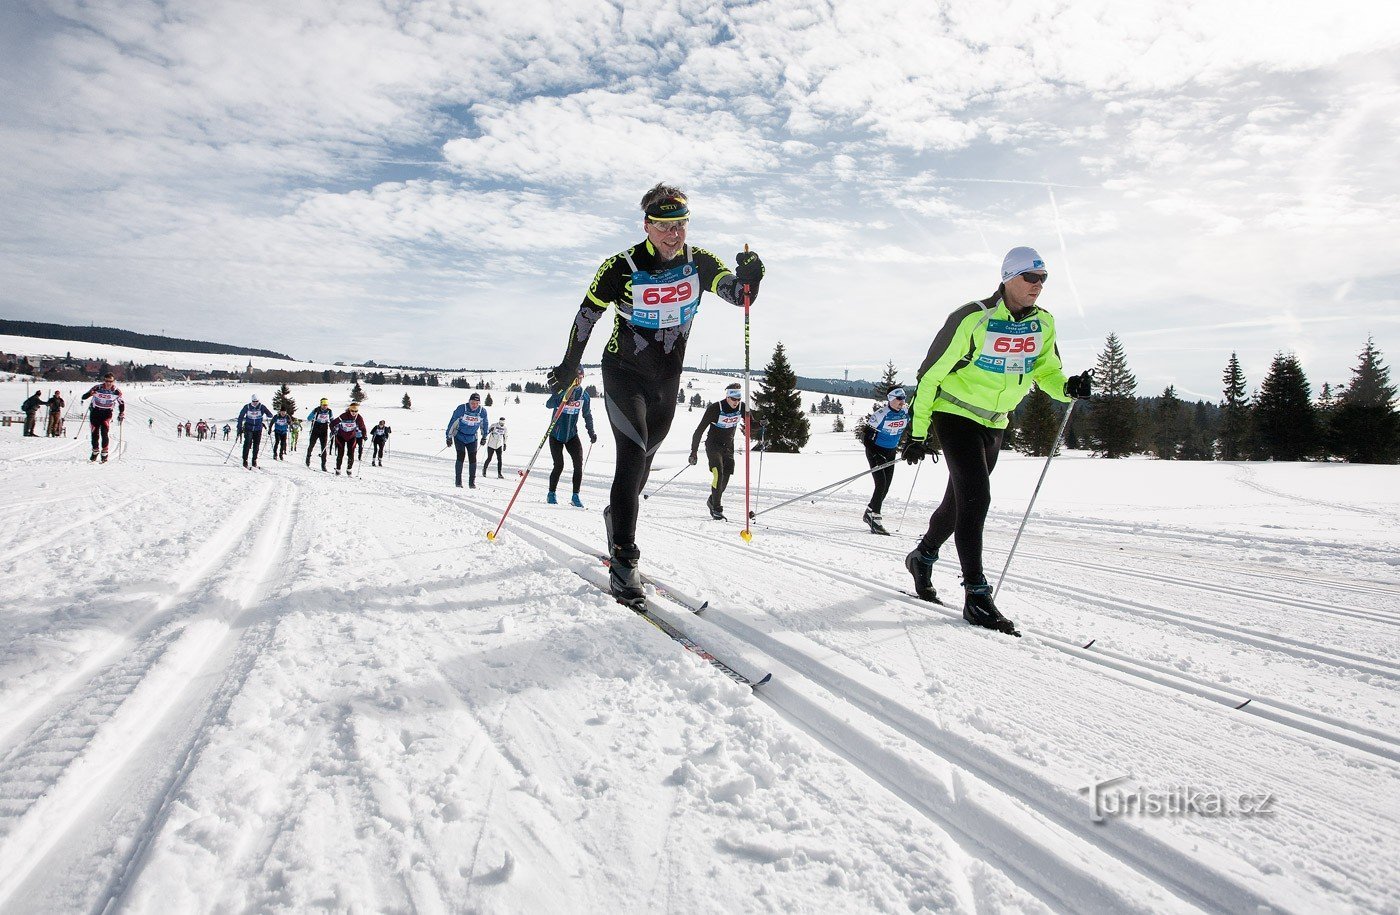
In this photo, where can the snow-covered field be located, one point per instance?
(285, 690)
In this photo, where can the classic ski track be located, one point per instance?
(1276, 712)
(1075, 885)
(201, 566)
(139, 734)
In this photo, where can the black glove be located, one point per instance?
(694, 458)
(868, 436)
(592, 439)
(1080, 386)
(749, 271)
(561, 377)
(917, 450)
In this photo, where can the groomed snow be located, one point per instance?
(223, 690)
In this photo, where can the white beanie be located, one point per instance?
(1019, 260)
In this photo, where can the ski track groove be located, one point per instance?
(1313, 723)
(1072, 885)
(76, 771)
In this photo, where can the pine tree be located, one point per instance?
(407, 402)
(1168, 435)
(1114, 421)
(1235, 423)
(889, 382)
(357, 393)
(1365, 425)
(487, 402)
(1285, 421)
(838, 425)
(778, 405)
(1039, 425)
(282, 400)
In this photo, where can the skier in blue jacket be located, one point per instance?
(882, 434)
(466, 428)
(565, 436)
(250, 423)
(320, 418)
(281, 425)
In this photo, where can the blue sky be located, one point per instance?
(435, 182)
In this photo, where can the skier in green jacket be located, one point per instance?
(978, 369)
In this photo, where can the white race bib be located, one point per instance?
(1011, 347)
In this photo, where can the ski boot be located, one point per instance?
(716, 510)
(551, 498)
(93, 459)
(979, 610)
(576, 502)
(920, 565)
(873, 519)
(104, 457)
(624, 581)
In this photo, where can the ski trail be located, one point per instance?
(66, 790)
(84, 520)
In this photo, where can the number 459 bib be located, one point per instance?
(666, 299)
(1011, 347)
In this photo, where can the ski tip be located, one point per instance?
(1243, 704)
(747, 535)
(1090, 643)
(702, 607)
(758, 683)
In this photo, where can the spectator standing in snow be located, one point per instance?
(31, 407)
(56, 405)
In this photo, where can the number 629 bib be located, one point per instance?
(666, 299)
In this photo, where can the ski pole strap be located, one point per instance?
(806, 495)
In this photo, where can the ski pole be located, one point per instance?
(585, 457)
(863, 473)
(747, 534)
(121, 427)
(904, 513)
(1053, 448)
(648, 495)
(525, 474)
(230, 450)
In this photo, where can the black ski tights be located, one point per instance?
(640, 411)
(883, 478)
(970, 452)
(556, 451)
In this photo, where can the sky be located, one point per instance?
(435, 182)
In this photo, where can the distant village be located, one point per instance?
(70, 368)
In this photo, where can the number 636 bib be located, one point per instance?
(1011, 347)
(666, 299)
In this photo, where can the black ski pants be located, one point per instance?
(490, 453)
(556, 451)
(378, 453)
(466, 452)
(279, 446)
(876, 456)
(101, 421)
(721, 459)
(640, 410)
(252, 443)
(320, 432)
(345, 450)
(970, 452)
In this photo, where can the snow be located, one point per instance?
(223, 690)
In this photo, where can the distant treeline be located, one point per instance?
(114, 337)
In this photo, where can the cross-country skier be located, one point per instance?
(379, 437)
(250, 426)
(106, 397)
(56, 405)
(187, 428)
(320, 418)
(495, 446)
(655, 287)
(281, 423)
(978, 369)
(296, 431)
(883, 430)
(720, 418)
(565, 436)
(349, 428)
(228, 429)
(466, 427)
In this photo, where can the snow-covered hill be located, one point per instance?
(286, 690)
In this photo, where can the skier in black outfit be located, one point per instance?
(379, 437)
(105, 397)
(721, 417)
(884, 429)
(655, 286)
(320, 419)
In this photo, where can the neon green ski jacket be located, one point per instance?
(982, 363)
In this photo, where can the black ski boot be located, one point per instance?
(873, 519)
(93, 458)
(716, 510)
(979, 610)
(920, 565)
(624, 581)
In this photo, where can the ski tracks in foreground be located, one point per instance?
(100, 767)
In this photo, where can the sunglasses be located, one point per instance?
(1035, 279)
(675, 225)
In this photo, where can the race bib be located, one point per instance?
(471, 420)
(573, 406)
(728, 420)
(1011, 347)
(346, 426)
(895, 425)
(666, 299)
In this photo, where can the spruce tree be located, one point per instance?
(778, 405)
(889, 382)
(357, 393)
(1365, 426)
(1235, 421)
(407, 402)
(282, 400)
(1168, 433)
(487, 402)
(1039, 425)
(1114, 421)
(1285, 421)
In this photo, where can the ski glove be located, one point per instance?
(917, 450)
(694, 458)
(592, 439)
(749, 271)
(1080, 386)
(561, 376)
